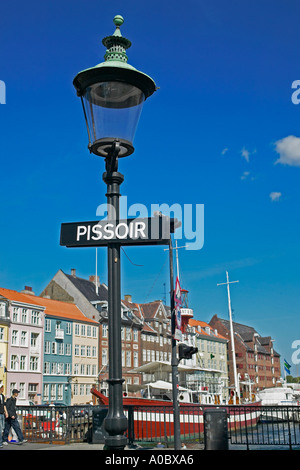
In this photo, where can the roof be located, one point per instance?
(201, 325)
(150, 309)
(88, 288)
(55, 308)
(246, 334)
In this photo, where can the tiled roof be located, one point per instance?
(246, 335)
(201, 325)
(88, 288)
(52, 307)
(149, 310)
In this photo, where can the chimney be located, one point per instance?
(92, 278)
(73, 272)
(27, 290)
(128, 298)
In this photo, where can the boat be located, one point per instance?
(153, 416)
(280, 404)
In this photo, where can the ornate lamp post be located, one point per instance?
(112, 95)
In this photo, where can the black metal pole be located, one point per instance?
(116, 422)
(174, 363)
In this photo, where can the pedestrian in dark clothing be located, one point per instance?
(12, 420)
(2, 413)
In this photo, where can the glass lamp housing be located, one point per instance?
(112, 112)
(112, 94)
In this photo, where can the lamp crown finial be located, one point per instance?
(118, 20)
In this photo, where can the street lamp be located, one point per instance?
(112, 95)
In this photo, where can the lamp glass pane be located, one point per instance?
(113, 110)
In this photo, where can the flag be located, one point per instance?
(178, 303)
(287, 366)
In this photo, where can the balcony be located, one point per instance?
(59, 334)
(187, 312)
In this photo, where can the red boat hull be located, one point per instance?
(153, 419)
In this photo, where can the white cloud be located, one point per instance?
(224, 151)
(275, 196)
(245, 175)
(288, 149)
(245, 154)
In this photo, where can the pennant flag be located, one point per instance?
(178, 303)
(287, 366)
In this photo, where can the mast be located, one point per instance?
(236, 386)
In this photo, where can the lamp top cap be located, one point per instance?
(118, 20)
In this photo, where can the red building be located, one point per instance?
(256, 360)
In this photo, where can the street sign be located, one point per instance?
(142, 231)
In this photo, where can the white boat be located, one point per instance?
(276, 403)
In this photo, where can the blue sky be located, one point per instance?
(221, 131)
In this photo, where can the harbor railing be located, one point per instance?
(247, 425)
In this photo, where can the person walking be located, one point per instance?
(11, 419)
(2, 413)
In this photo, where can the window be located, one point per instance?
(23, 341)
(82, 330)
(136, 359)
(53, 392)
(60, 392)
(76, 329)
(14, 337)
(1, 334)
(104, 357)
(46, 392)
(89, 330)
(22, 390)
(13, 362)
(15, 314)
(47, 325)
(135, 334)
(35, 317)
(61, 349)
(47, 369)
(33, 363)
(22, 362)
(128, 358)
(128, 334)
(68, 349)
(76, 350)
(105, 330)
(34, 340)
(24, 315)
(68, 328)
(47, 347)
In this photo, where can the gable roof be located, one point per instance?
(51, 307)
(245, 334)
(150, 309)
(88, 288)
(200, 325)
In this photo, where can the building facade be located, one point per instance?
(4, 339)
(257, 363)
(25, 346)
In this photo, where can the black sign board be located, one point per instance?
(141, 231)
